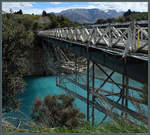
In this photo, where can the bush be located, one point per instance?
(126, 17)
(19, 35)
(16, 41)
(56, 111)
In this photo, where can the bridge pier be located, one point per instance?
(123, 93)
(127, 92)
(88, 93)
(93, 89)
(106, 104)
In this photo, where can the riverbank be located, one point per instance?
(85, 127)
(41, 86)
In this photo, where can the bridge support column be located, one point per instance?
(58, 65)
(101, 95)
(105, 81)
(127, 91)
(93, 89)
(125, 83)
(123, 93)
(88, 90)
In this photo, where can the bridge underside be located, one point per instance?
(133, 66)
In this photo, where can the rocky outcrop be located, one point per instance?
(36, 62)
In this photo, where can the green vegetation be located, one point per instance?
(85, 127)
(17, 39)
(126, 17)
(19, 12)
(56, 111)
(19, 36)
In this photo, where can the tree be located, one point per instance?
(19, 12)
(54, 24)
(56, 111)
(44, 13)
(128, 13)
(109, 20)
(35, 26)
(10, 10)
(16, 42)
(19, 36)
(101, 21)
(28, 22)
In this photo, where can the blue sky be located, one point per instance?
(38, 7)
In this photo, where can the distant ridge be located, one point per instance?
(88, 15)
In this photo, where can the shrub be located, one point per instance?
(56, 111)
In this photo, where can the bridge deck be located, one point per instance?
(122, 49)
(135, 65)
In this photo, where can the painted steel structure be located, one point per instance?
(121, 47)
(132, 37)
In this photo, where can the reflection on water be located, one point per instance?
(41, 86)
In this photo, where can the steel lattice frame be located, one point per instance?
(100, 96)
(131, 36)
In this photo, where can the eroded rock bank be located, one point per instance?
(37, 62)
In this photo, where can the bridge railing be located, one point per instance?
(131, 36)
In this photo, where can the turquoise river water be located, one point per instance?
(41, 86)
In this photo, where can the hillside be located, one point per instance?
(22, 53)
(88, 15)
(126, 17)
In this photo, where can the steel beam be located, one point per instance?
(136, 65)
(88, 92)
(132, 113)
(93, 89)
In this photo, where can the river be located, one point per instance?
(41, 86)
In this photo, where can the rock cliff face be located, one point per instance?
(36, 62)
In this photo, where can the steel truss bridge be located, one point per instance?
(107, 48)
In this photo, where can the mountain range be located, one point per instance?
(88, 15)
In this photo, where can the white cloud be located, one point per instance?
(32, 10)
(29, 7)
(120, 6)
(39, 11)
(6, 6)
(55, 3)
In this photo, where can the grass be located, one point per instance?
(85, 127)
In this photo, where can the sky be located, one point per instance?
(38, 7)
